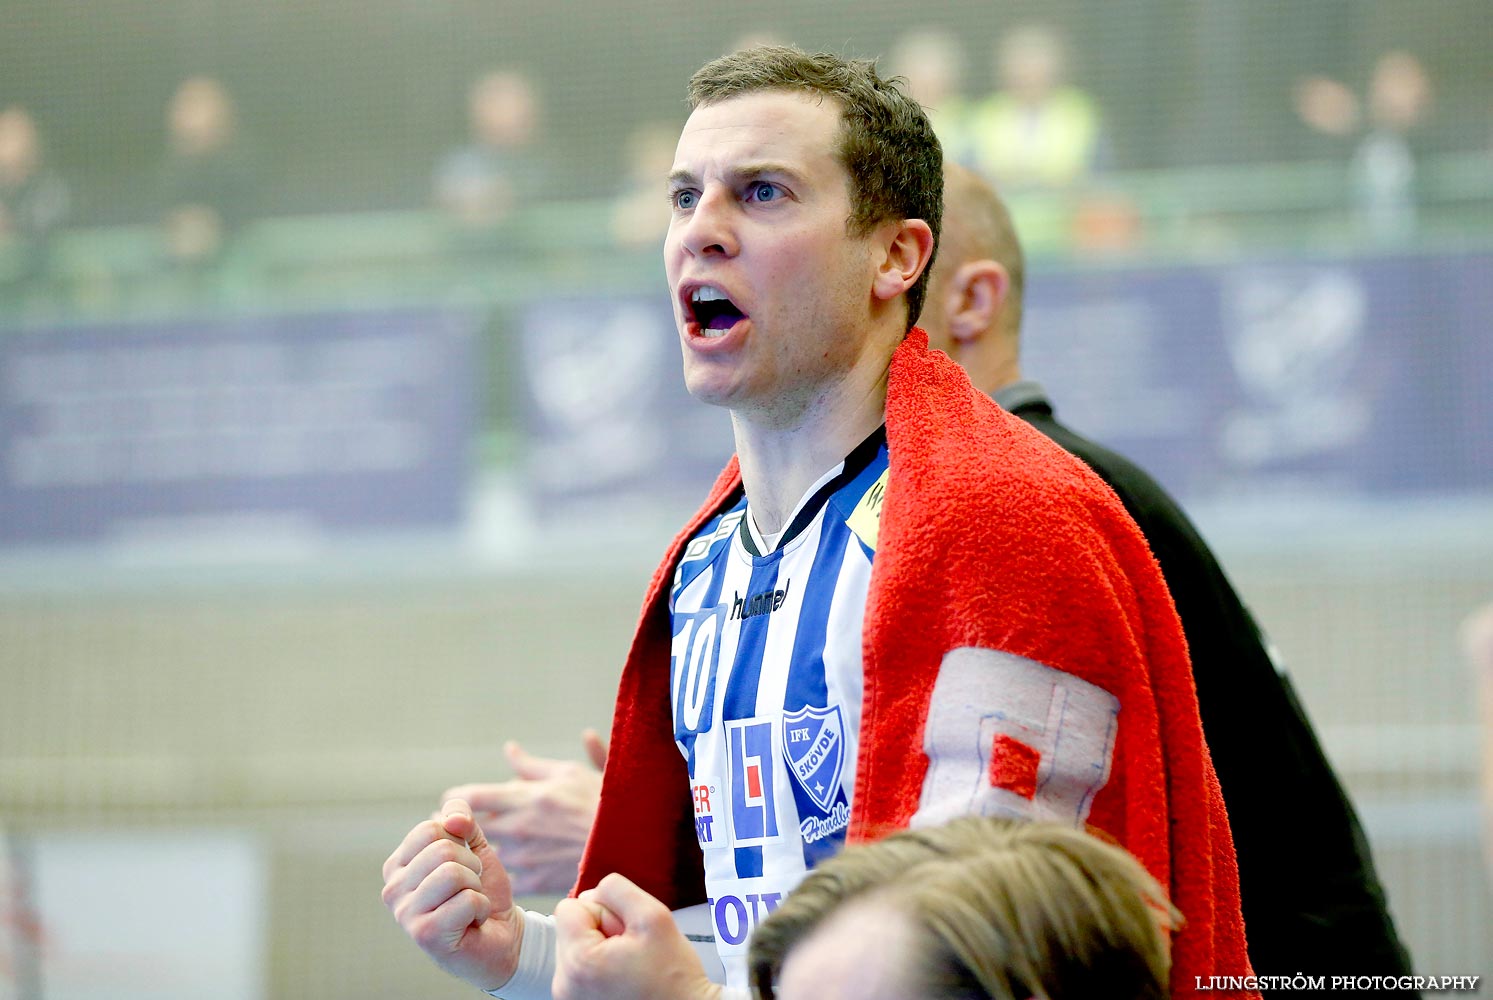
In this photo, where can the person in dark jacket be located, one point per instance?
(1312, 900)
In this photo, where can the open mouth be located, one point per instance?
(713, 311)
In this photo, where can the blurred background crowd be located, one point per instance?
(1139, 127)
(340, 415)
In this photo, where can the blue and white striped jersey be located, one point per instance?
(766, 686)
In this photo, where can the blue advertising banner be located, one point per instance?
(1472, 291)
(1350, 378)
(334, 421)
(608, 420)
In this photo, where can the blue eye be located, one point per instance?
(685, 199)
(764, 191)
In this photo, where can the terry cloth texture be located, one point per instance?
(1320, 906)
(992, 540)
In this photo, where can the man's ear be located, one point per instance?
(909, 247)
(976, 297)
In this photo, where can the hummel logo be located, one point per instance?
(764, 603)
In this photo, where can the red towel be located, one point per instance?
(996, 543)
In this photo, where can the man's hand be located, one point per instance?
(540, 819)
(445, 887)
(616, 942)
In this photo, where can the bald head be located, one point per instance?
(973, 310)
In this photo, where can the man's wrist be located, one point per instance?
(536, 960)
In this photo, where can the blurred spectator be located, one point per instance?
(33, 200)
(208, 179)
(1039, 138)
(641, 214)
(1381, 166)
(481, 183)
(932, 61)
(1327, 106)
(1037, 130)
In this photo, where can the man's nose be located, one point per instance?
(711, 227)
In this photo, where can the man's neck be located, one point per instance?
(999, 372)
(779, 464)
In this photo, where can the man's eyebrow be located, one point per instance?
(762, 167)
(737, 174)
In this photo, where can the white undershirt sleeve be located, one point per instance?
(536, 961)
(536, 955)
